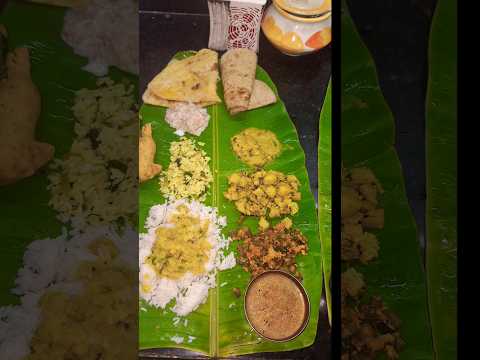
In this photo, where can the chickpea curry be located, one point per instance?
(264, 193)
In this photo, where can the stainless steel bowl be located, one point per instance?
(306, 302)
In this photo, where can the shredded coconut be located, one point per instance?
(187, 118)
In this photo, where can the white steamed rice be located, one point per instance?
(106, 32)
(50, 265)
(190, 291)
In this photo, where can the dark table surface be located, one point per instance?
(171, 26)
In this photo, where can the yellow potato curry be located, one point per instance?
(256, 147)
(100, 322)
(181, 248)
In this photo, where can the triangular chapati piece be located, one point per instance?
(262, 95)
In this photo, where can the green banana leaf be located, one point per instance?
(219, 326)
(367, 122)
(3, 55)
(441, 209)
(325, 192)
(367, 140)
(24, 212)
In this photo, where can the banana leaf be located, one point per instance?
(325, 192)
(219, 326)
(441, 209)
(24, 212)
(368, 140)
(3, 55)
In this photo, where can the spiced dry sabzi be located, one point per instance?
(360, 212)
(274, 248)
(368, 326)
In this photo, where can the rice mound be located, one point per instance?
(106, 32)
(50, 265)
(190, 291)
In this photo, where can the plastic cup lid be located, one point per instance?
(305, 7)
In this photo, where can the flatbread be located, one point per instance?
(238, 68)
(262, 95)
(151, 99)
(193, 79)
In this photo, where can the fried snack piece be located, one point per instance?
(147, 169)
(20, 104)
